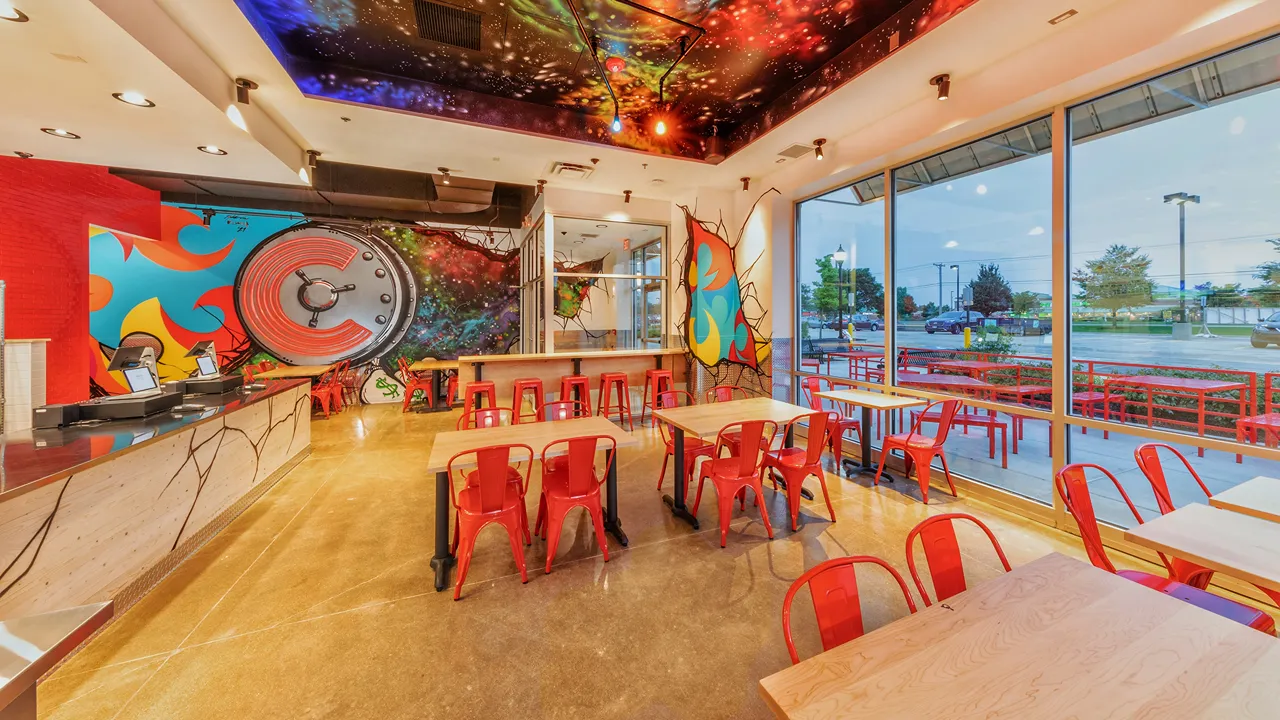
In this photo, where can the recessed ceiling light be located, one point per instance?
(233, 114)
(133, 98)
(1063, 16)
(59, 132)
(211, 149)
(602, 226)
(11, 13)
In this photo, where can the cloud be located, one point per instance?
(951, 243)
(1237, 125)
(982, 190)
(1037, 230)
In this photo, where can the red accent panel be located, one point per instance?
(263, 281)
(45, 212)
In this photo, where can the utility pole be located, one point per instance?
(939, 266)
(1181, 199)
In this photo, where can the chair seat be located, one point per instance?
(1215, 604)
(792, 457)
(556, 484)
(724, 467)
(691, 444)
(469, 499)
(917, 440)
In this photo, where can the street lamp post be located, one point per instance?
(957, 301)
(839, 257)
(1181, 199)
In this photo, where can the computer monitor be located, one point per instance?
(207, 366)
(140, 379)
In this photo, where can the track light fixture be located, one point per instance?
(626, 196)
(243, 86)
(23, 155)
(207, 215)
(746, 183)
(542, 185)
(943, 83)
(817, 147)
(313, 159)
(444, 174)
(715, 147)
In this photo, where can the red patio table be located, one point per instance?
(1177, 387)
(975, 368)
(861, 357)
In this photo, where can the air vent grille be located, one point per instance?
(797, 150)
(448, 24)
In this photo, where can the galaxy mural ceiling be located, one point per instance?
(743, 65)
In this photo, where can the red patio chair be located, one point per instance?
(488, 496)
(795, 464)
(833, 586)
(414, 382)
(742, 469)
(838, 424)
(1148, 459)
(973, 417)
(694, 447)
(322, 393)
(573, 484)
(942, 551)
(919, 449)
(1268, 423)
(1073, 488)
(485, 418)
(725, 393)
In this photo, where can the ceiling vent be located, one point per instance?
(448, 24)
(797, 151)
(571, 171)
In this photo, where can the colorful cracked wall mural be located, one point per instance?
(522, 64)
(279, 287)
(721, 326)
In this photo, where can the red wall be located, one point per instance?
(45, 211)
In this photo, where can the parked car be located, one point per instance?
(1266, 332)
(860, 321)
(953, 322)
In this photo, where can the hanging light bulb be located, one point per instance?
(661, 127)
(817, 147)
(616, 126)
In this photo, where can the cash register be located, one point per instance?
(207, 379)
(145, 396)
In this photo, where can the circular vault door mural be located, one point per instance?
(316, 294)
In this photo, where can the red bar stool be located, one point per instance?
(661, 381)
(519, 388)
(480, 387)
(609, 382)
(571, 383)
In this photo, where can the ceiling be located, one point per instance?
(524, 64)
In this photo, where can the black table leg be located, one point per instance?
(443, 559)
(612, 524)
(677, 503)
(479, 371)
(864, 439)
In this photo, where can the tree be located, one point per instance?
(806, 297)
(906, 303)
(1268, 293)
(868, 292)
(991, 291)
(929, 310)
(1119, 279)
(826, 296)
(1229, 295)
(1025, 302)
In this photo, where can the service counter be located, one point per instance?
(103, 512)
(550, 367)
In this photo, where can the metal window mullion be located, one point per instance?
(1061, 303)
(890, 374)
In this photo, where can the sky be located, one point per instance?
(1228, 154)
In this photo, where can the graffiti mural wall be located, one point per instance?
(279, 287)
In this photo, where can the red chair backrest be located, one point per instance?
(491, 476)
(404, 369)
(582, 460)
(942, 551)
(485, 418)
(833, 586)
(811, 386)
(340, 371)
(725, 393)
(1073, 488)
(248, 371)
(946, 413)
(755, 437)
(564, 410)
(1148, 458)
(819, 428)
(671, 399)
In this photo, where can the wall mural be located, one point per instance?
(722, 314)
(522, 64)
(280, 287)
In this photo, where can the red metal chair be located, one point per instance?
(838, 424)
(694, 447)
(565, 410)
(795, 464)
(573, 484)
(1073, 488)
(740, 470)
(489, 496)
(322, 393)
(833, 586)
(1268, 423)
(942, 551)
(919, 450)
(973, 417)
(1148, 459)
(485, 418)
(725, 393)
(335, 384)
(413, 382)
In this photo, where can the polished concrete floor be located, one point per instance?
(318, 602)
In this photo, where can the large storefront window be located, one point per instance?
(1175, 259)
(973, 281)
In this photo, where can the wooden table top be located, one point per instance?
(707, 419)
(1244, 547)
(294, 371)
(535, 434)
(1259, 497)
(30, 646)
(875, 401)
(570, 355)
(427, 365)
(1055, 638)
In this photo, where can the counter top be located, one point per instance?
(16, 341)
(32, 458)
(570, 355)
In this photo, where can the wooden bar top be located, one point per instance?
(534, 434)
(1056, 638)
(1259, 497)
(876, 401)
(1244, 547)
(428, 365)
(294, 371)
(707, 419)
(569, 355)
